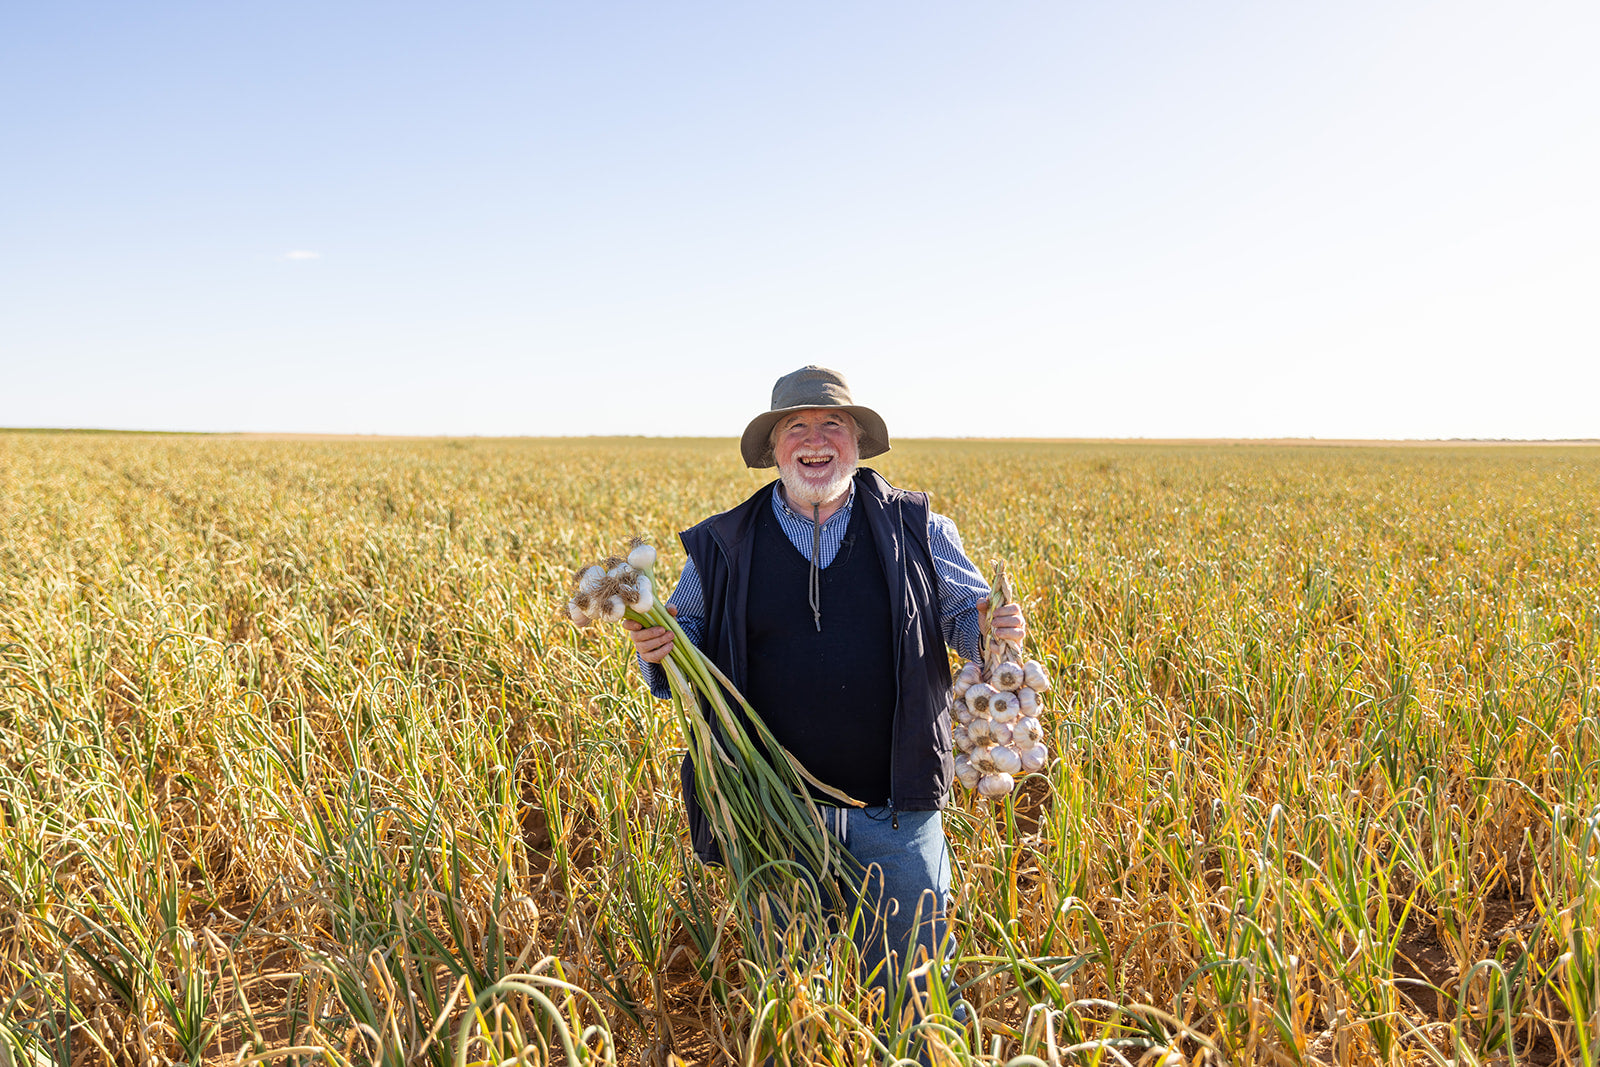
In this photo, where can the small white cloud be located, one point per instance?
(301, 253)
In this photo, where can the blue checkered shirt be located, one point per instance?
(960, 585)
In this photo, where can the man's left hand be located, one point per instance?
(1005, 624)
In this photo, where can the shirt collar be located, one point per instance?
(780, 504)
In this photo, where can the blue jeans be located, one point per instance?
(905, 898)
(904, 865)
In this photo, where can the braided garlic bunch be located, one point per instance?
(996, 708)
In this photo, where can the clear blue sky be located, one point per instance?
(1353, 219)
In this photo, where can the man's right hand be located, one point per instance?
(655, 642)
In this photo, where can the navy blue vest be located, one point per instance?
(723, 549)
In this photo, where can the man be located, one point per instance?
(828, 598)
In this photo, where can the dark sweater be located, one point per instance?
(828, 694)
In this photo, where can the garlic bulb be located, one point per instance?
(994, 785)
(1028, 701)
(969, 675)
(635, 592)
(958, 737)
(611, 609)
(1034, 757)
(1007, 676)
(980, 731)
(978, 698)
(1000, 733)
(966, 773)
(576, 614)
(983, 758)
(1026, 731)
(589, 579)
(1005, 759)
(1034, 678)
(642, 557)
(1003, 707)
(962, 713)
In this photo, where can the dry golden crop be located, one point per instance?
(298, 762)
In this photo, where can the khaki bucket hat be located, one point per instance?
(810, 387)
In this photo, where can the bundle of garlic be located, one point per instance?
(608, 590)
(760, 810)
(996, 708)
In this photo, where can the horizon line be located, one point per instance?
(291, 435)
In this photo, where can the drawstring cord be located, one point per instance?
(814, 584)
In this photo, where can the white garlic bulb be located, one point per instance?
(962, 713)
(994, 785)
(590, 577)
(1005, 759)
(1028, 701)
(966, 773)
(980, 731)
(958, 737)
(999, 732)
(978, 698)
(1026, 731)
(1034, 757)
(1003, 707)
(637, 593)
(1007, 676)
(1033, 676)
(642, 557)
(969, 675)
(983, 758)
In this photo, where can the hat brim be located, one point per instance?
(756, 444)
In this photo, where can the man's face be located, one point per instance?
(816, 454)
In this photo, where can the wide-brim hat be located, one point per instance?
(810, 387)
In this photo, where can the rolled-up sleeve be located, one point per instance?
(689, 599)
(961, 586)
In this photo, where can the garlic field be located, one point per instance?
(300, 763)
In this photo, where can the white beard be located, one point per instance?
(800, 492)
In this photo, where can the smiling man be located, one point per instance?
(829, 597)
(816, 453)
